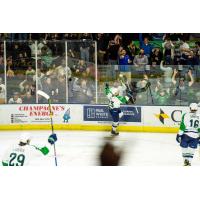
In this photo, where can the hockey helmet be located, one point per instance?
(25, 137)
(115, 91)
(193, 107)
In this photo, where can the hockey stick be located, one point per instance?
(46, 96)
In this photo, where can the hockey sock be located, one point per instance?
(191, 153)
(114, 126)
(187, 154)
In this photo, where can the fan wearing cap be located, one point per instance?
(189, 133)
(115, 100)
(20, 154)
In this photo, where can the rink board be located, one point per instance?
(90, 117)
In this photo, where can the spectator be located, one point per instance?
(29, 99)
(182, 87)
(162, 97)
(156, 57)
(112, 52)
(124, 61)
(82, 91)
(168, 50)
(140, 61)
(15, 99)
(192, 60)
(118, 39)
(102, 45)
(144, 44)
(80, 68)
(1, 62)
(85, 46)
(30, 71)
(39, 77)
(10, 73)
(2, 91)
(27, 85)
(185, 52)
(58, 94)
(46, 56)
(47, 86)
(197, 51)
(132, 50)
(32, 46)
(168, 71)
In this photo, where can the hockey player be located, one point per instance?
(188, 135)
(115, 100)
(20, 154)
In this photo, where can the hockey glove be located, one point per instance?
(52, 138)
(178, 138)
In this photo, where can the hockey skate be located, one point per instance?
(186, 163)
(114, 132)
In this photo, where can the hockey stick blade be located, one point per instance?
(46, 96)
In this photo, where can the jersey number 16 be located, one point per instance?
(194, 123)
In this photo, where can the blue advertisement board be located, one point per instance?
(101, 113)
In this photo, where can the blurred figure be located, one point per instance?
(109, 156)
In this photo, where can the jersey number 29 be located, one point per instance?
(16, 160)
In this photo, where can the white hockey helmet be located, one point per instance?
(25, 137)
(193, 107)
(115, 91)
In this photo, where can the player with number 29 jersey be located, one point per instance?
(18, 155)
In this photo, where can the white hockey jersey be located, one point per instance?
(115, 101)
(18, 155)
(190, 124)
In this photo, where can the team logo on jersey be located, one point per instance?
(162, 116)
(66, 116)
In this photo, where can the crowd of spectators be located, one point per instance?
(171, 62)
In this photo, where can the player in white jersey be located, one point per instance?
(115, 100)
(21, 153)
(189, 133)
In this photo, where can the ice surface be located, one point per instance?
(81, 148)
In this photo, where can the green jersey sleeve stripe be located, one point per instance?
(182, 125)
(122, 99)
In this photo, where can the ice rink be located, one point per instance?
(81, 148)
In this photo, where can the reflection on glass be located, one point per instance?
(51, 70)
(81, 72)
(20, 72)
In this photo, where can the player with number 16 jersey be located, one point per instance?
(189, 133)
